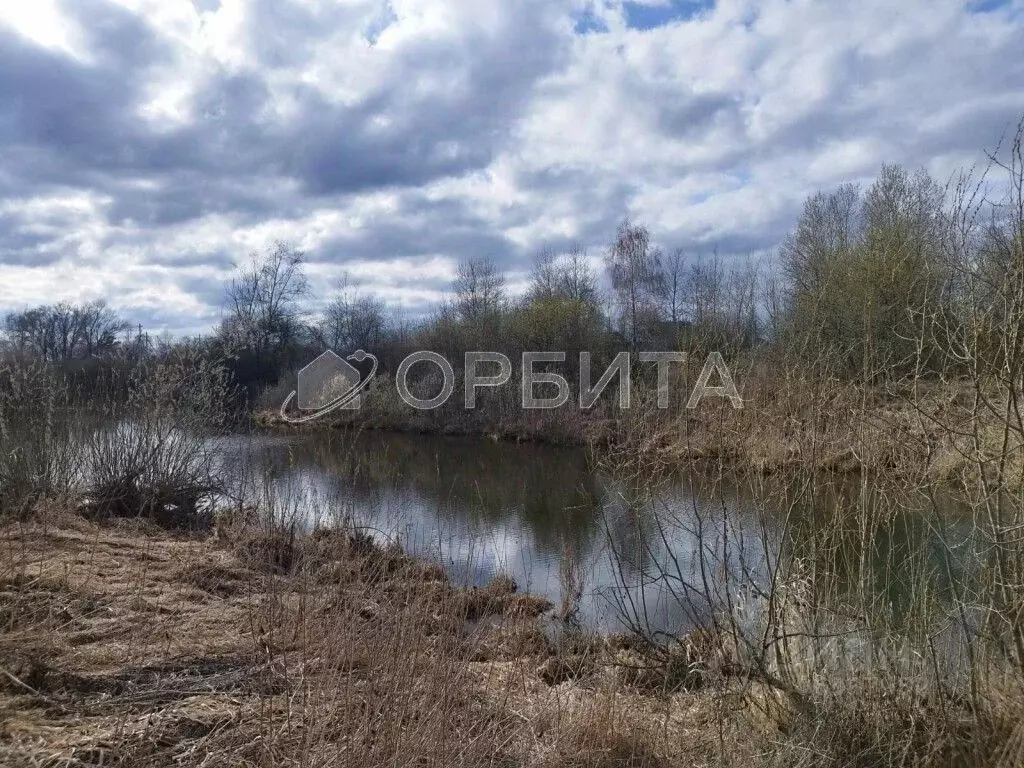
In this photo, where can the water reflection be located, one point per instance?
(598, 546)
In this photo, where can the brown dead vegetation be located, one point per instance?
(126, 645)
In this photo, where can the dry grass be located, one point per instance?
(129, 645)
(919, 432)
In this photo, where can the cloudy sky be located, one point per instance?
(147, 145)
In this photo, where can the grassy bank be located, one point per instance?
(129, 645)
(126, 644)
(921, 430)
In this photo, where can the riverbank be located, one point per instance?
(916, 431)
(124, 644)
(130, 645)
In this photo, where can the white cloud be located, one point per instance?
(392, 138)
(42, 22)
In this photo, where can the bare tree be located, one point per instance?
(98, 328)
(856, 263)
(577, 279)
(29, 333)
(353, 320)
(672, 285)
(544, 277)
(567, 276)
(63, 332)
(561, 310)
(634, 266)
(479, 290)
(263, 300)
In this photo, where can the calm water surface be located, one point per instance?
(595, 544)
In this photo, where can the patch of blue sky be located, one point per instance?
(590, 23)
(987, 6)
(644, 16)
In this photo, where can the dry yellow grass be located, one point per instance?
(128, 645)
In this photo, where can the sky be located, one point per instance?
(149, 146)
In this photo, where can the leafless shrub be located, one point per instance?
(151, 457)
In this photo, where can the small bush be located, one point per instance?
(565, 667)
(152, 458)
(872, 727)
(498, 597)
(683, 666)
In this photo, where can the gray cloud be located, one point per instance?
(397, 134)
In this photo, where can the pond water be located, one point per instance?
(602, 547)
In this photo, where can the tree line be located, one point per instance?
(875, 281)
